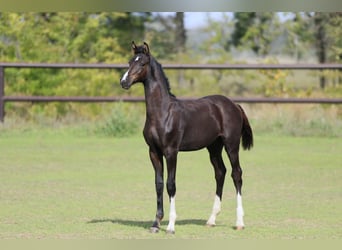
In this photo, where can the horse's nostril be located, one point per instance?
(124, 85)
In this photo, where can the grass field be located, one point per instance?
(60, 185)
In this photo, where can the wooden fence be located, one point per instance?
(4, 98)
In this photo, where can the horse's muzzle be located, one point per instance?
(125, 84)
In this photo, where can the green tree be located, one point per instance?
(319, 31)
(215, 45)
(335, 36)
(180, 32)
(297, 35)
(254, 30)
(66, 37)
(166, 34)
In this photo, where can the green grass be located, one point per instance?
(55, 184)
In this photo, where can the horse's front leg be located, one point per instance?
(171, 160)
(157, 162)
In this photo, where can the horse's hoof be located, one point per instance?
(210, 225)
(170, 232)
(154, 230)
(238, 228)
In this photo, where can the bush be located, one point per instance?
(122, 122)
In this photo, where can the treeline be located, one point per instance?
(76, 37)
(65, 37)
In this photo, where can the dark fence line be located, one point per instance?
(302, 66)
(4, 98)
(142, 99)
(34, 99)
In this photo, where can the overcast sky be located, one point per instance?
(198, 19)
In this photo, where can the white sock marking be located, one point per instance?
(216, 210)
(239, 211)
(172, 215)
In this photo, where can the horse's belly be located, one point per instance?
(195, 140)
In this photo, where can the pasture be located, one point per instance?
(55, 184)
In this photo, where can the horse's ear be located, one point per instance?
(134, 47)
(146, 49)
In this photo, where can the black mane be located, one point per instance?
(157, 67)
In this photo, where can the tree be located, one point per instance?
(66, 37)
(160, 35)
(321, 42)
(335, 37)
(166, 34)
(180, 33)
(254, 30)
(243, 21)
(321, 32)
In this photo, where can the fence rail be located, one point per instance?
(4, 98)
(142, 99)
(302, 66)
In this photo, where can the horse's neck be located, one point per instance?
(157, 98)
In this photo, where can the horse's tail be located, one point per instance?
(247, 134)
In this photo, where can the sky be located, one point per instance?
(198, 19)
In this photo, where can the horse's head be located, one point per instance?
(138, 66)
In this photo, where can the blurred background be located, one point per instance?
(180, 38)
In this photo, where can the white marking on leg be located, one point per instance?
(239, 212)
(216, 210)
(172, 216)
(125, 76)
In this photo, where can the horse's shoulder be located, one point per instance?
(150, 133)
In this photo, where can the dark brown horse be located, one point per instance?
(173, 125)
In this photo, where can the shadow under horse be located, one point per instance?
(172, 125)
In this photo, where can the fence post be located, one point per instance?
(2, 93)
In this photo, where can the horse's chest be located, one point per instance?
(159, 134)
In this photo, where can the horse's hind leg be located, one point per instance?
(232, 150)
(215, 151)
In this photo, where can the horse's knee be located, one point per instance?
(159, 187)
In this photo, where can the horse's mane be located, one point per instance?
(157, 67)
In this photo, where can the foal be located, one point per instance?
(173, 125)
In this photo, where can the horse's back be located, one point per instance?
(221, 101)
(229, 110)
